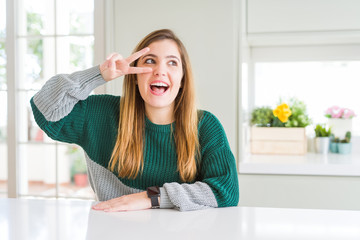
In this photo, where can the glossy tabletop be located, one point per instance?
(71, 219)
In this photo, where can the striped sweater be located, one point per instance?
(64, 110)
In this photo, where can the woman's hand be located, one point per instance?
(136, 201)
(116, 66)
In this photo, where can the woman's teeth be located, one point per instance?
(159, 88)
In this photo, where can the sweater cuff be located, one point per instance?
(164, 199)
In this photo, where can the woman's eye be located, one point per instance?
(149, 61)
(173, 63)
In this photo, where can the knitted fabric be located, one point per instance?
(65, 112)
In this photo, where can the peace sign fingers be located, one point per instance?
(116, 66)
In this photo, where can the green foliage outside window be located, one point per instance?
(35, 47)
(2, 63)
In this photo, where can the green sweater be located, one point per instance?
(65, 112)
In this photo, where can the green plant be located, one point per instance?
(262, 117)
(78, 164)
(321, 131)
(298, 117)
(347, 138)
(334, 139)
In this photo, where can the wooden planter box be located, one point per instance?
(274, 140)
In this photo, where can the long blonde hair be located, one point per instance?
(127, 156)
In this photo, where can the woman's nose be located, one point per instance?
(159, 70)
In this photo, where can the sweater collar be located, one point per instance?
(158, 128)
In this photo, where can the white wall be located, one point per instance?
(269, 16)
(318, 192)
(209, 30)
(303, 22)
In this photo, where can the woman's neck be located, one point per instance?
(160, 116)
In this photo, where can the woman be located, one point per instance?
(156, 149)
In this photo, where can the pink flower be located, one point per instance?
(338, 112)
(348, 113)
(330, 110)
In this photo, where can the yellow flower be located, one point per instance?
(283, 112)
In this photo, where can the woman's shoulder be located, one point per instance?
(209, 124)
(212, 136)
(207, 118)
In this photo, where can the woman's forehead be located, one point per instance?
(164, 47)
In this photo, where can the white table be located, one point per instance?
(71, 219)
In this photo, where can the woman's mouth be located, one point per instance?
(158, 88)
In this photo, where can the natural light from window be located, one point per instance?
(52, 37)
(319, 85)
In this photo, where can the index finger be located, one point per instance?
(138, 54)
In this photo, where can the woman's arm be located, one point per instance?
(59, 107)
(58, 96)
(217, 182)
(218, 186)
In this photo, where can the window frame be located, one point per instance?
(13, 91)
(268, 47)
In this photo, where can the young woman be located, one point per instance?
(151, 147)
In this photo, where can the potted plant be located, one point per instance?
(280, 130)
(322, 139)
(344, 145)
(334, 143)
(78, 166)
(299, 116)
(340, 120)
(262, 117)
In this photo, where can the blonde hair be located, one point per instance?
(127, 156)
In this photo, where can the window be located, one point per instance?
(319, 75)
(319, 84)
(3, 101)
(51, 37)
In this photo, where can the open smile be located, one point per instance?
(158, 88)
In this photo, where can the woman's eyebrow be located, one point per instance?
(149, 55)
(173, 56)
(154, 56)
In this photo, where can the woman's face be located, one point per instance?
(160, 87)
